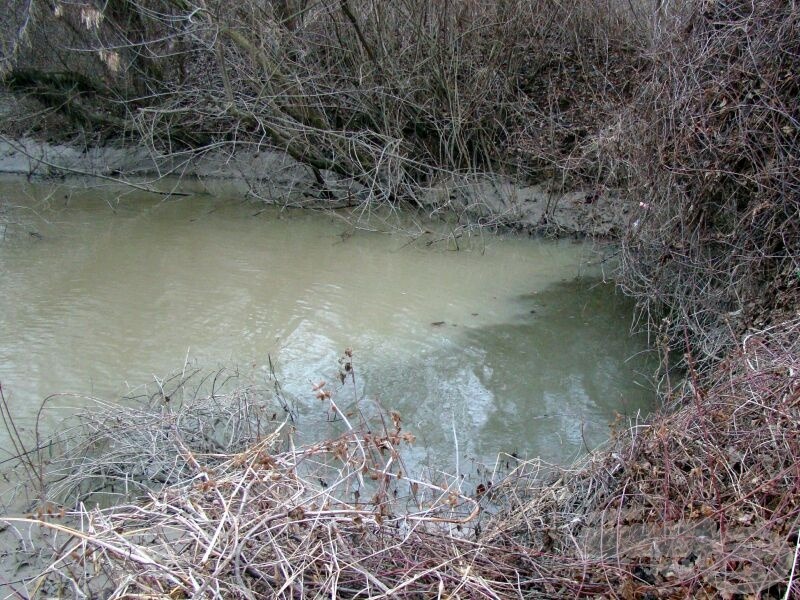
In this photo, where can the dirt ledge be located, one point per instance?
(276, 178)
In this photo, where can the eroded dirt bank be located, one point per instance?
(276, 178)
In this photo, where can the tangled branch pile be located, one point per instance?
(250, 515)
(123, 452)
(391, 95)
(716, 160)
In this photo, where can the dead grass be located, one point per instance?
(701, 502)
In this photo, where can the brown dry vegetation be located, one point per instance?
(393, 95)
(692, 109)
(702, 502)
(715, 161)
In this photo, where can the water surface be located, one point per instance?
(508, 344)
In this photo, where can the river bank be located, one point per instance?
(275, 178)
(699, 499)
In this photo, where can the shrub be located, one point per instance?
(715, 154)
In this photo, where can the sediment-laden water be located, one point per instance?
(505, 343)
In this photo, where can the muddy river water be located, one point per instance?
(506, 343)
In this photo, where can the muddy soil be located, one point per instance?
(276, 178)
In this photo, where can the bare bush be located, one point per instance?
(715, 149)
(392, 95)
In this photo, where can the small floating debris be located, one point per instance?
(437, 323)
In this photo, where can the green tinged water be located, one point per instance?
(510, 344)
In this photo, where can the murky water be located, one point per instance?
(508, 342)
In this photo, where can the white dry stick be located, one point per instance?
(183, 372)
(458, 468)
(790, 583)
(129, 552)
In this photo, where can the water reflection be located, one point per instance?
(546, 383)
